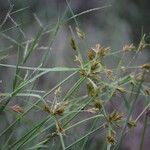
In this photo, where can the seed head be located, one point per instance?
(100, 50)
(83, 72)
(73, 44)
(111, 138)
(98, 104)
(80, 33)
(92, 90)
(145, 66)
(47, 108)
(131, 124)
(148, 91)
(142, 44)
(60, 108)
(57, 92)
(17, 109)
(115, 116)
(94, 66)
(91, 55)
(59, 127)
(128, 48)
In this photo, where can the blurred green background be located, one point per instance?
(120, 22)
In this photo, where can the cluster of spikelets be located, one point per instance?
(92, 72)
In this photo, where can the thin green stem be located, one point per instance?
(143, 132)
(91, 132)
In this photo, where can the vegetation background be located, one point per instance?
(114, 24)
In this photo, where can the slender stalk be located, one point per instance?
(91, 132)
(62, 141)
(143, 132)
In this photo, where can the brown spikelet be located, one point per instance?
(91, 55)
(46, 108)
(98, 104)
(148, 91)
(92, 110)
(17, 109)
(94, 66)
(115, 116)
(111, 138)
(131, 123)
(59, 110)
(100, 50)
(73, 44)
(128, 48)
(57, 92)
(83, 72)
(59, 127)
(145, 66)
(80, 33)
(92, 91)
